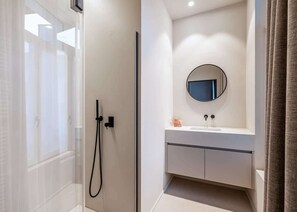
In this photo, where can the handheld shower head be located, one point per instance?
(98, 117)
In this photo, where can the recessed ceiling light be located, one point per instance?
(191, 3)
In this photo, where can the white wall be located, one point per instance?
(259, 205)
(250, 66)
(257, 17)
(217, 37)
(110, 28)
(156, 97)
(260, 78)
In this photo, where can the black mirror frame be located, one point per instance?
(202, 66)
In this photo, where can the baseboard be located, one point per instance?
(161, 194)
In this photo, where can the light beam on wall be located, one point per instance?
(33, 21)
(69, 37)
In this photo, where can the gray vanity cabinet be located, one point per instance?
(217, 165)
(186, 161)
(229, 167)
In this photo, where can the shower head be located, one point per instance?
(98, 117)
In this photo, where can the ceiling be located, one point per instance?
(180, 9)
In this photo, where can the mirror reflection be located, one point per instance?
(206, 83)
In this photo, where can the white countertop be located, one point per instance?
(220, 130)
(226, 138)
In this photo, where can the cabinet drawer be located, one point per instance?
(234, 168)
(186, 161)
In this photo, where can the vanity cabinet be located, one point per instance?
(217, 165)
(230, 167)
(187, 161)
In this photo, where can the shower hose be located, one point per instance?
(97, 141)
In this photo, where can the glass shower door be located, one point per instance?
(41, 162)
(53, 120)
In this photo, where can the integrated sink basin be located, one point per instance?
(222, 130)
(205, 129)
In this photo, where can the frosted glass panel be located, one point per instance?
(52, 72)
(40, 106)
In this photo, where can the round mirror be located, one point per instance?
(206, 83)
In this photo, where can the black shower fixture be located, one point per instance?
(110, 123)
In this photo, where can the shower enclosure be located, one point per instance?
(49, 82)
(41, 118)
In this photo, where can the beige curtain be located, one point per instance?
(281, 117)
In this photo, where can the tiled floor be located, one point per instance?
(189, 196)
